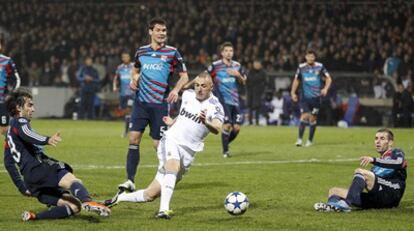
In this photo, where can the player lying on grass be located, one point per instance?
(385, 182)
(200, 113)
(45, 178)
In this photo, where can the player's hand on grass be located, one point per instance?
(173, 96)
(203, 116)
(55, 139)
(168, 120)
(365, 160)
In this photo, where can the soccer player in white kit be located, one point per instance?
(200, 113)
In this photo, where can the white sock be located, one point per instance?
(137, 196)
(167, 189)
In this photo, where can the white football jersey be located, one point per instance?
(188, 130)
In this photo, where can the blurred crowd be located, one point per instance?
(52, 38)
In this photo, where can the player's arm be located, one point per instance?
(214, 125)
(295, 85)
(169, 121)
(14, 75)
(14, 173)
(240, 75)
(134, 78)
(28, 135)
(115, 83)
(328, 82)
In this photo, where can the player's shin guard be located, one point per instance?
(167, 189)
(302, 126)
(133, 157)
(55, 213)
(354, 193)
(312, 128)
(225, 136)
(79, 191)
(233, 135)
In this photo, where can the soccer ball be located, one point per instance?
(236, 203)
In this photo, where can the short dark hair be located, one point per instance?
(17, 98)
(154, 21)
(225, 44)
(311, 51)
(388, 131)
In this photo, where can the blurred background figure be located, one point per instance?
(88, 78)
(256, 85)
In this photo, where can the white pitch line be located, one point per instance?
(260, 162)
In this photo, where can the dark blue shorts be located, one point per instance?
(126, 101)
(386, 193)
(50, 196)
(151, 114)
(44, 176)
(311, 105)
(232, 114)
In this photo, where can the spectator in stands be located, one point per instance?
(88, 78)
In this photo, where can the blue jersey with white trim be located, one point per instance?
(8, 74)
(311, 78)
(156, 67)
(226, 85)
(22, 146)
(391, 165)
(123, 74)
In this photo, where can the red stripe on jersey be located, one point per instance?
(158, 83)
(1, 60)
(156, 90)
(15, 131)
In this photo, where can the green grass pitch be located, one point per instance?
(281, 181)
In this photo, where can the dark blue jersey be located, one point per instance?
(156, 67)
(226, 85)
(123, 76)
(311, 78)
(391, 165)
(22, 149)
(8, 76)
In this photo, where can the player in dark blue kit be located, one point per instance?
(385, 182)
(8, 76)
(121, 82)
(228, 75)
(311, 75)
(154, 66)
(51, 181)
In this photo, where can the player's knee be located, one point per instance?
(359, 171)
(150, 195)
(236, 129)
(134, 138)
(332, 191)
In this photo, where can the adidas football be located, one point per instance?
(236, 203)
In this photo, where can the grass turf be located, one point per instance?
(281, 181)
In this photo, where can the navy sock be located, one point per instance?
(127, 119)
(312, 128)
(233, 135)
(354, 193)
(55, 213)
(133, 157)
(302, 126)
(225, 141)
(80, 192)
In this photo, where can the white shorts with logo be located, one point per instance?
(168, 149)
